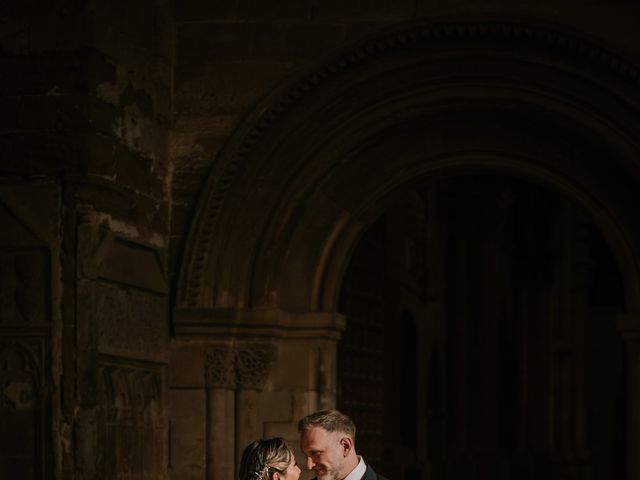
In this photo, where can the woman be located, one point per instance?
(268, 459)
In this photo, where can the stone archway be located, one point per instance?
(295, 187)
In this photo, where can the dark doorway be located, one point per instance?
(481, 336)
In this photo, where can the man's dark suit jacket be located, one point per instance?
(369, 474)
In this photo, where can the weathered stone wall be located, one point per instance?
(86, 101)
(114, 114)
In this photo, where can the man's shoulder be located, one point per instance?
(370, 474)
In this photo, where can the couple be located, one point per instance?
(327, 439)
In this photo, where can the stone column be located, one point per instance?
(246, 420)
(630, 328)
(252, 364)
(220, 380)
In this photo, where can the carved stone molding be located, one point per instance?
(242, 367)
(441, 38)
(273, 323)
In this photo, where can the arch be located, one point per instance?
(314, 164)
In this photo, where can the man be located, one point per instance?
(327, 438)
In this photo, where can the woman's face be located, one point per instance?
(292, 472)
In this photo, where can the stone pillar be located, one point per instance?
(220, 379)
(233, 377)
(631, 335)
(252, 365)
(220, 431)
(246, 420)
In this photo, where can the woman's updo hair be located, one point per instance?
(262, 458)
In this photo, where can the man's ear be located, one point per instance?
(347, 445)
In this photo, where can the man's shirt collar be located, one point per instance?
(358, 472)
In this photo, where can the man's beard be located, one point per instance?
(329, 475)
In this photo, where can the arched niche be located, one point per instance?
(297, 184)
(289, 196)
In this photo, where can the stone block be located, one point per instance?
(186, 368)
(291, 10)
(275, 406)
(296, 366)
(134, 31)
(198, 10)
(364, 10)
(188, 434)
(286, 430)
(180, 222)
(124, 204)
(53, 73)
(208, 125)
(209, 87)
(187, 179)
(304, 403)
(242, 10)
(139, 172)
(110, 157)
(258, 41)
(131, 322)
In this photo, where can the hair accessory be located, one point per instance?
(261, 474)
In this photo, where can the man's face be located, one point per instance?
(325, 453)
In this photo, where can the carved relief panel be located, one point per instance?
(123, 324)
(125, 284)
(131, 423)
(29, 226)
(24, 430)
(130, 322)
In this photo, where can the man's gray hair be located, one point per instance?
(330, 420)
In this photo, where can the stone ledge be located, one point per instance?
(272, 322)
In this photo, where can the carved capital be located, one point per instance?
(241, 367)
(253, 363)
(219, 367)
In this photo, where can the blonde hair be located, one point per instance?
(262, 458)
